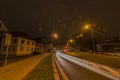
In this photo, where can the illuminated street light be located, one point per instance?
(55, 36)
(87, 27)
(71, 40)
(81, 35)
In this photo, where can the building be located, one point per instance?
(45, 44)
(49, 47)
(3, 34)
(20, 44)
(112, 45)
(39, 47)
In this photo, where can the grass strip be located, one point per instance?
(112, 61)
(43, 71)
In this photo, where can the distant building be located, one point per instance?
(112, 45)
(45, 43)
(20, 44)
(49, 47)
(39, 47)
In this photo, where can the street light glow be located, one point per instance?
(55, 36)
(87, 26)
(81, 35)
(71, 40)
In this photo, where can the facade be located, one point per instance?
(3, 34)
(20, 44)
(5, 43)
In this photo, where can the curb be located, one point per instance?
(57, 70)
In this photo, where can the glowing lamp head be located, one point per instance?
(87, 26)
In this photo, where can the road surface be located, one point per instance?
(76, 72)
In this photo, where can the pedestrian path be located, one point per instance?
(18, 70)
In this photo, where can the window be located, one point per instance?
(35, 49)
(9, 49)
(23, 42)
(38, 49)
(32, 43)
(4, 48)
(14, 40)
(13, 49)
(31, 49)
(28, 42)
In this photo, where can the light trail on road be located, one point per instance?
(91, 66)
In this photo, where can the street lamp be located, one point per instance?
(87, 27)
(55, 36)
(71, 40)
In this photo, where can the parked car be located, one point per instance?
(35, 53)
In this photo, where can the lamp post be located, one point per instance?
(93, 40)
(55, 38)
(88, 26)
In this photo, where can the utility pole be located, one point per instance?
(93, 41)
(6, 56)
(7, 42)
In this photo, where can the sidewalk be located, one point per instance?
(18, 70)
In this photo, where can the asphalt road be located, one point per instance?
(76, 72)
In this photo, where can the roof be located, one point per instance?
(20, 34)
(3, 27)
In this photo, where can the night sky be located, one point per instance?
(65, 17)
